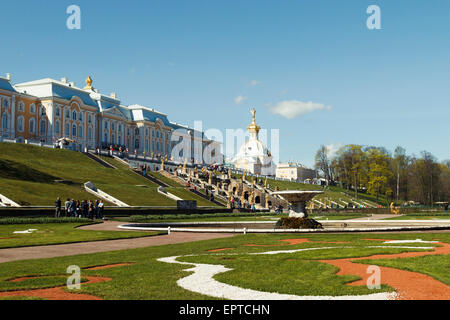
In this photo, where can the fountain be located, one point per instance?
(298, 199)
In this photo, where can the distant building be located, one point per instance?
(253, 156)
(295, 172)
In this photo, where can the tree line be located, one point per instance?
(377, 171)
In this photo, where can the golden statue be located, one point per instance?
(89, 84)
(162, 164)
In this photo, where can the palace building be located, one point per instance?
(48, 110)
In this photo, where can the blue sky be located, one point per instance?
(192, 60)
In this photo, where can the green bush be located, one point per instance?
(4, 221)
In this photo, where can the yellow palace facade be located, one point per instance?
(47, 110)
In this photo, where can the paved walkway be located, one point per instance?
(377, 217)
(61, 250)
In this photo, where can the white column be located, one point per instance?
(13, 117)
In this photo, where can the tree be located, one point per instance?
(400, 163)
(322, 162)
(349, 165)
(379, 173)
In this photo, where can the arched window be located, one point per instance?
(157, 146)
(32, 108)
(43, 111)
(106, 138)
(74, 115)
(136, 131)
(157, 133)
(57, 126)
(136, 144)
(5, 102)
(5, 121)
(42, 127)
(80, 131)
(68, 114)
(20, 124)
(57, 112)
(89, 118)
(74, 130)
(31, 125)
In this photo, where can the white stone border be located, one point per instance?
(202, 279)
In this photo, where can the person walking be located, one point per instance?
(97, 215)
(91, 210)
(66, 207)
(58, 208)
(100, 209)
(72, 208)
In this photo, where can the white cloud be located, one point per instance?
(332, 149)
(240, 99)
(254, 83)
(293, 108)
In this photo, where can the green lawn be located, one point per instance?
(58, 233)
(27, 175)
(297, 273)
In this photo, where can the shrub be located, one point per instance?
(4, 221)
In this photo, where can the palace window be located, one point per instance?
(31, 125)
(57, 126)
(89, 133)
(20, 124)
(5, 102)
(105, 137)
(80, 131)
(68, 114)
(106, 125)
(119, 140)
(43, 111)
(113, 138)
(136, 144)
(21, 106)
(112, 126)
(66, 130)
(89, 119)
(74, 115)
(80, 116)
(74, 130)
(32, 109)
(42, 126)
(146, 132)
(157, 133)
(5, 121)
(146, 145)
(57, 112)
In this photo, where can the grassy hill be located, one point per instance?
(28, 174)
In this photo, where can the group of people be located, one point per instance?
(79, 209)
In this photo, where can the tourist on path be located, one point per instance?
(58, 208)
(66, 207)
(100, 209)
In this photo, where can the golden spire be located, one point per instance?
(253, 128)
(89, 84)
